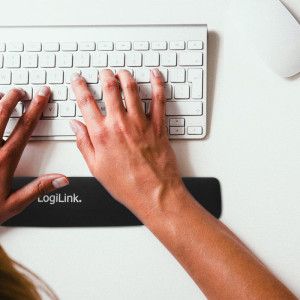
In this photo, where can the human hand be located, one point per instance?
(128, 151)
(13, 202)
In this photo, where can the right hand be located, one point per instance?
(128, 151)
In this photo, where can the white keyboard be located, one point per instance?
(35, 56)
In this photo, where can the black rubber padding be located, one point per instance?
(86, 203)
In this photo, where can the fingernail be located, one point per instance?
(75, 76)
(60, 182)
(22, 91)
(43, 91)
(73, 126)
(156, 73)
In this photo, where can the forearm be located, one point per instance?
(220, 264)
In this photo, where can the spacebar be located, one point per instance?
(45, 128)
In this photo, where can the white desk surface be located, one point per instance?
(253, 148)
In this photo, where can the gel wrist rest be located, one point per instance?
(86, 203)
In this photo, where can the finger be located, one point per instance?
(86, 102)
(158, 103)
(84, 143)
(131, 93)
(45, 184)
(7, 105)
(18, 139)
(111, 94)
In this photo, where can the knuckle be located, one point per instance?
(42, 188)
(160, 98)
(100, 134)
(85, 99)
(3, 110)
(130, 85)
(110, 84)
(27, 122)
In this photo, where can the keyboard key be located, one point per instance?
(90, 75)
(68, 46)
(169, 59)
(96, 91)
(20, 76)
(64, 60)
(176, 130)
(1, 60)
(159, 45)
(59, 93)
(105, 46)
(69, 72)
(142, 75)
(14, 47)
(116, 59)
(78, 112)
(145, 91)
(183, 108)
(55, 76)
(195, 130)
(182, 91)
(99, 59)
(190, 58)
(176, 122)
(195, 45)
(51, 47)
(47, 60)
(2, 47)
(67, 109)
(51, 110)
(164, 74)
(123, 46)
(5, 77)
(151, 59)
(87, 46)
(134, 59)
(141, 46)
(33, 47)
(195, 76)
(81, 60)
(102, 108)
(18, 111)
(12, 60)
(29, 60)
(177, 75)
(37, 76)
(28, 90)
(177, 45)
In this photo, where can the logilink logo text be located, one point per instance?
(58, 198)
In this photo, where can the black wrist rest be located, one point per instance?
(86, 203)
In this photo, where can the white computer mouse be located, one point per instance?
(272, 30)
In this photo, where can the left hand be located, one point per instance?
(13, 202)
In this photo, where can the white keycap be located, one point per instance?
(195, 76)
(51, 110)
(64, 60)
(29, 60)
(35, 89)
(123, 46)
(177, 75)
(69, 72)
(164, 74)
(14, 47)
(18, 111)
(191, 58)
(68, 46)
(1, 60)
(183, 108)
(145, 91)
(59, 93)
(99, 59)
(47, 60)
(28, 90)
(51, 46)
(87, 46)
(177, 45)
(193, 130)
(142, 75)
(67, 109)
(33, 47)
(55, 76)
(134, 59)
(37, 76)
(159, 45)
(168, 59)
(168, 91)
(176, 122)
(182, 91)
(12, 60)
(96, 91)
(151, 59)
(105, 46)
(142, 46)
(2, 47)
(71, 94)
(116, 59)
(90, 75)
(78, 111)
(176, 130)
(5, 77)
(195, 45)
(81, 60)
(20, 77)
(102, 107)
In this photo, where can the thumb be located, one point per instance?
(21, 198)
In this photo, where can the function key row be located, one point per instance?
(101, 46)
